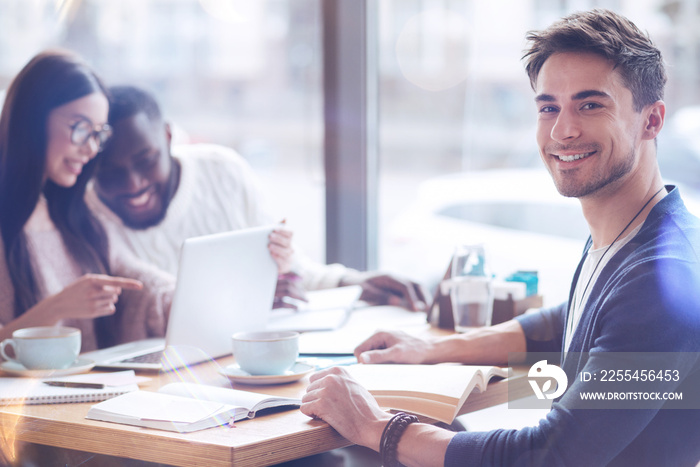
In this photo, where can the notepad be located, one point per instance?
(30, 391)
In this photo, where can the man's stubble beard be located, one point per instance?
(575, 190)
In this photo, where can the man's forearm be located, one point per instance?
(426, 445)
(423, 445)
(481, 346)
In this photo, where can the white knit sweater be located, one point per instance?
(218, 192)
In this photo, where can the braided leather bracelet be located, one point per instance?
(390, 438)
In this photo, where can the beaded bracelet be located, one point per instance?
(390, 438)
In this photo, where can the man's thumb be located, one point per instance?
(375, 356)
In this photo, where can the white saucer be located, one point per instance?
(81, 365)
(236, 375)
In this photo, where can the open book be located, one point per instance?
(436, 391)
(185, 407)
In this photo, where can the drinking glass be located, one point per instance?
(471, 288)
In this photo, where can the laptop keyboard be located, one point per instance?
(153, 357)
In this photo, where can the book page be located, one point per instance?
(445, 383)
(251, 401)
(146, 405)
(334, 298)
(436, 391)
(325, 310)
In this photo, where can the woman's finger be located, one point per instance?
(100, 280)
(103, 308)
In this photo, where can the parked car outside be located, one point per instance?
(519, 216)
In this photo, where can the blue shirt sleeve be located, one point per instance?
(544, 329)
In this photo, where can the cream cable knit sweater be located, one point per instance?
(218, 192)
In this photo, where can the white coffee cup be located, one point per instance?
(266, 352)
(43, 347)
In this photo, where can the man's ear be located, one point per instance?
(655, 116)
(168, 135)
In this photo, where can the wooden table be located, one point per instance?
(265, 440)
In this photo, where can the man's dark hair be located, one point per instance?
(611, 36)
(127, 101)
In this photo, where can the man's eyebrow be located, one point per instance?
(576, 97)
(589, 93)
(142, 153)
(544, 98)
(108, 164)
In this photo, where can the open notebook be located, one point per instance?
(225, 284)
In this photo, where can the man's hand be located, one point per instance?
(386, 289)
(393, 347)
(281, 249)
(336, 398)
(289, 285)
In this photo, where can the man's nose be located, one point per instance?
(134, 182)
(566, 127)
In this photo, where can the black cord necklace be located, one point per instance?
(570, 327)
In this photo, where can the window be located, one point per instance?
(456, 111)
(244, 74)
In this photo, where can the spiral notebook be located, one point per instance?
(29, 391)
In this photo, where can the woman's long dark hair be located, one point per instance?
(50, 80)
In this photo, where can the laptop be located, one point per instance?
(225, 284)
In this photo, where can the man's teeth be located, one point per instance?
(139, 200)
(573, 157)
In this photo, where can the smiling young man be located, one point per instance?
(151, 196)
(598, 85)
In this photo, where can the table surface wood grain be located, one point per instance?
(265, 440)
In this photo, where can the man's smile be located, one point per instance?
(139, 200)
(573, 157)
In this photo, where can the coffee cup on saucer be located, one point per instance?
(266, 352)
(43, 347)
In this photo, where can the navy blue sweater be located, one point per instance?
(647, 299)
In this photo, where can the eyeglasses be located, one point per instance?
(83, 131)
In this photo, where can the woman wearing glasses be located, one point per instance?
(55, 262)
